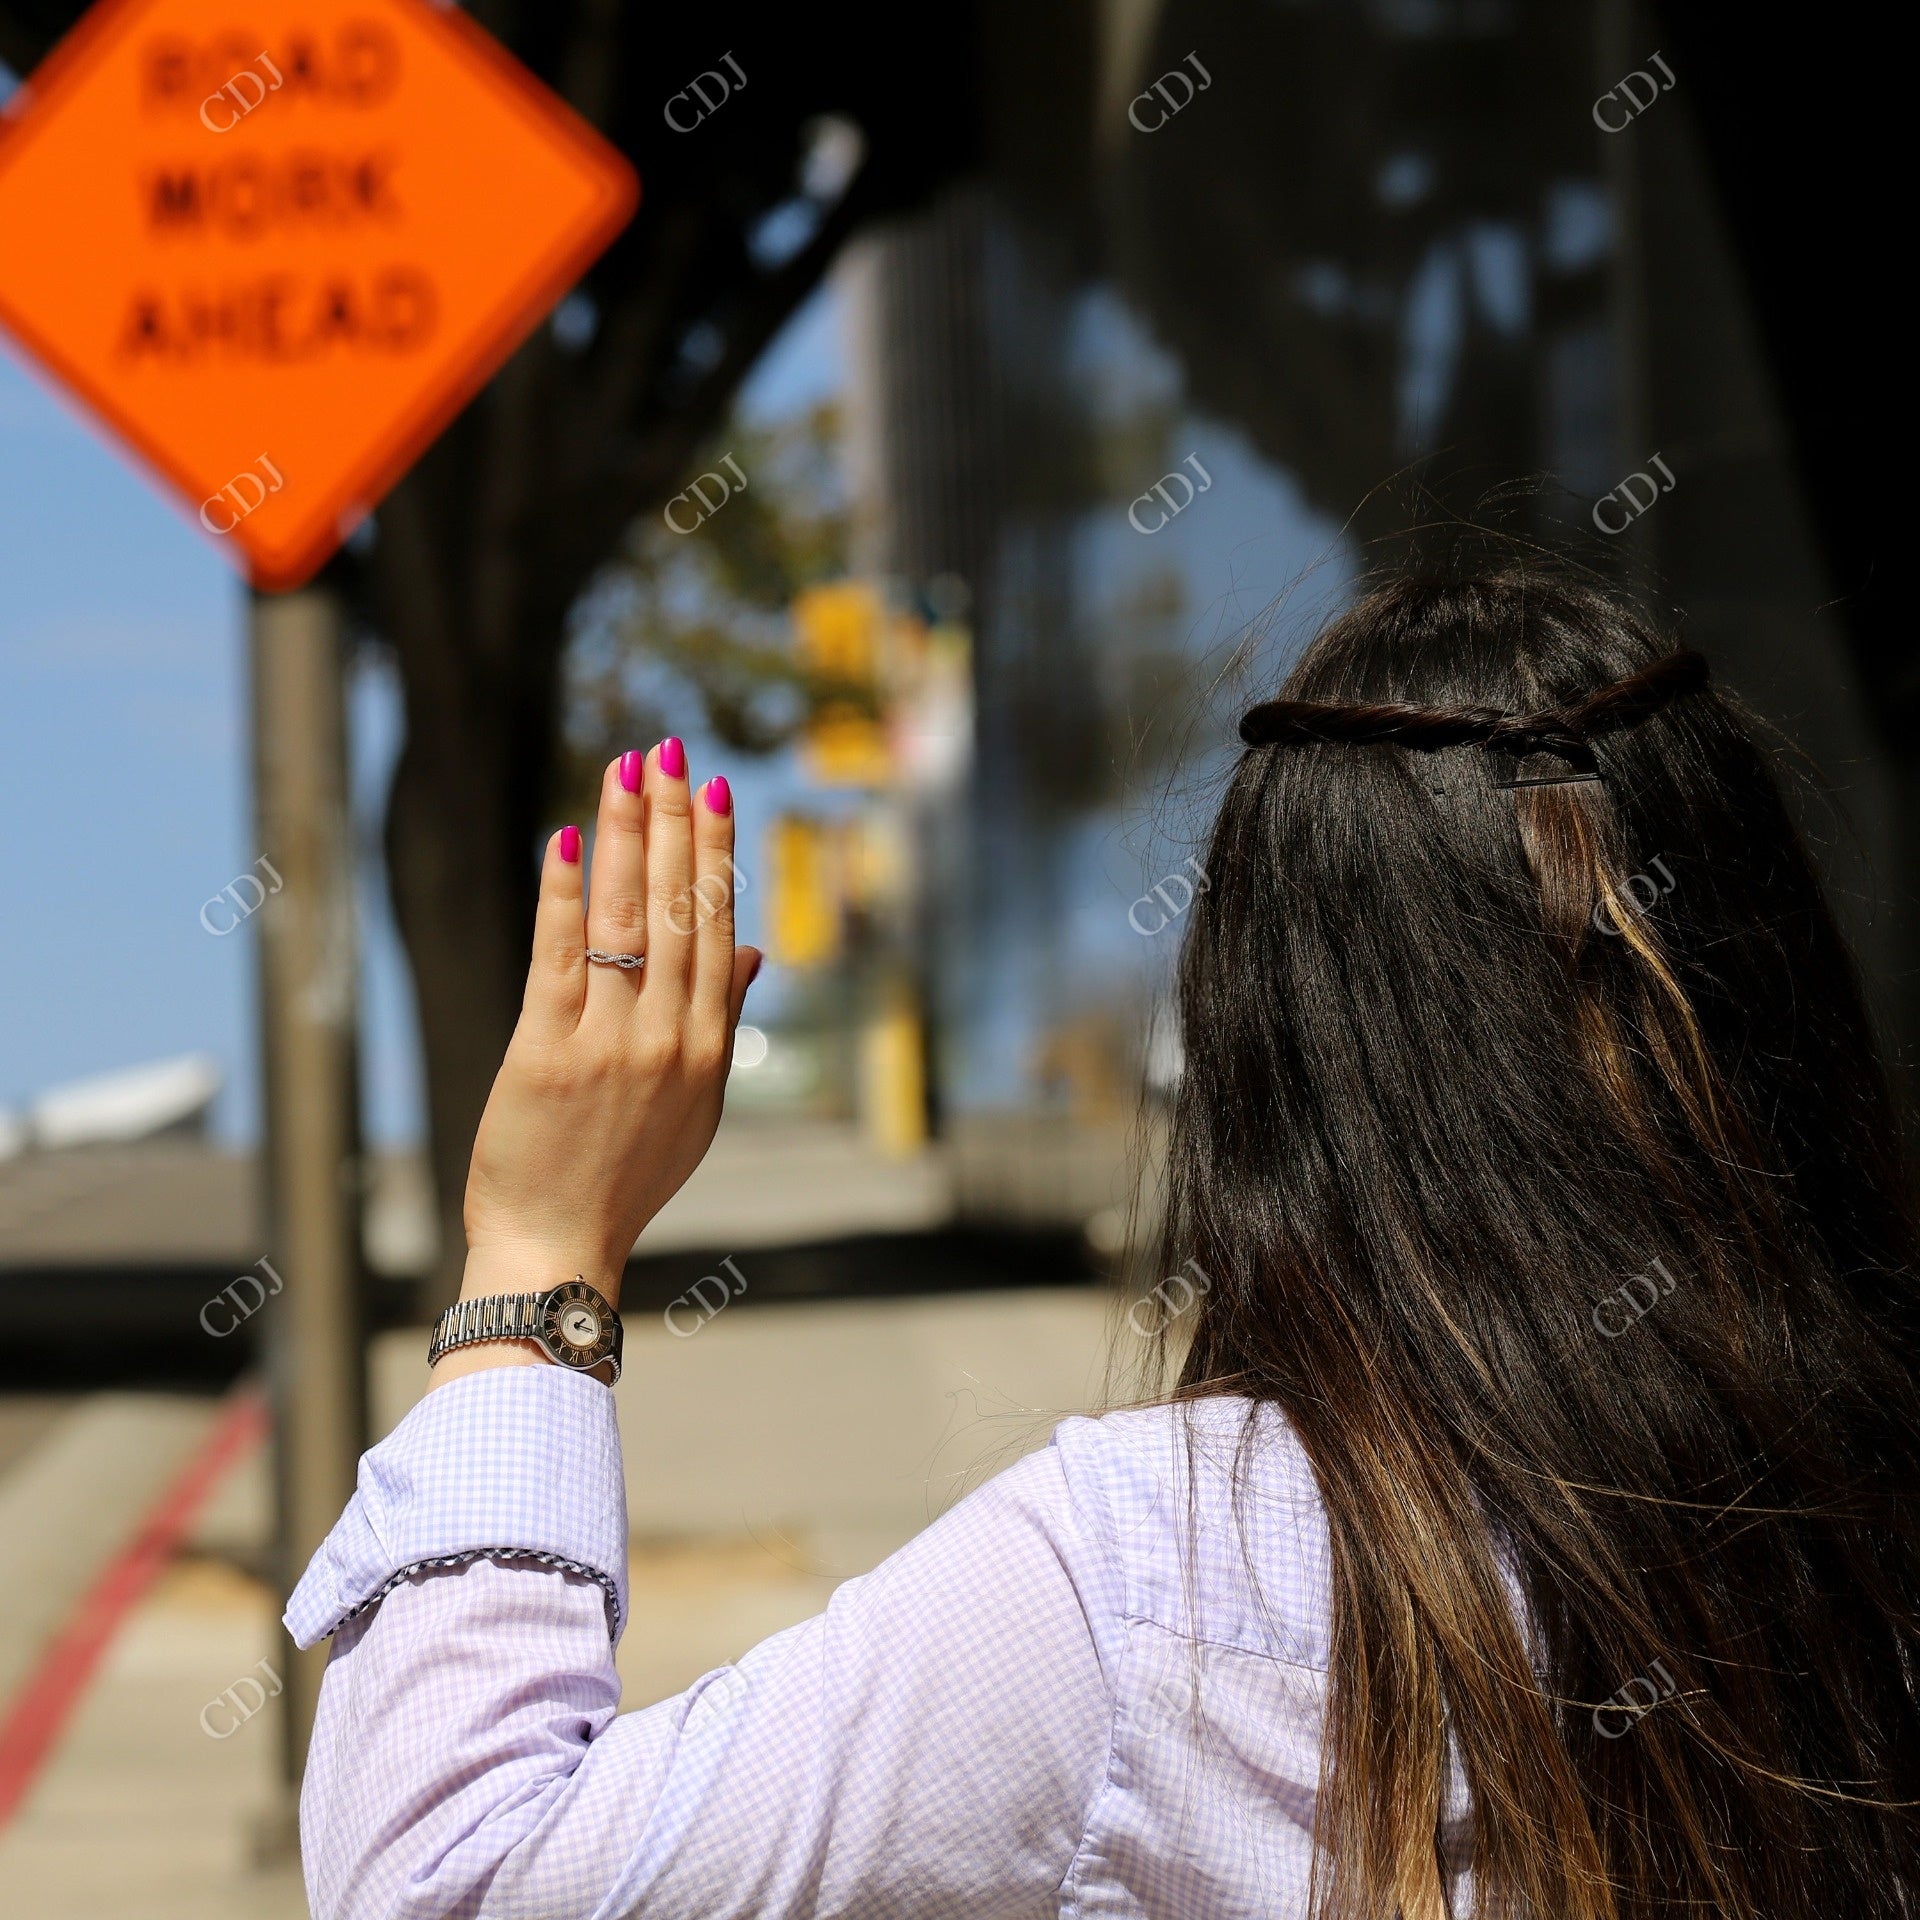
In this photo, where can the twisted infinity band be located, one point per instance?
(628, 962)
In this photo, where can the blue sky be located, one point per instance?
(123, 764)
(121, 758)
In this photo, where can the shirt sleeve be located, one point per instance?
(929, 1745)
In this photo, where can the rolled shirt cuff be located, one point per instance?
(512, 1464)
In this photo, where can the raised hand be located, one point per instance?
(613, 1082)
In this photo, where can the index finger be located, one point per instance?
(557, 976)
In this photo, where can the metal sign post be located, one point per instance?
(308, 1045)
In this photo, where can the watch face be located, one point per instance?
(577, 1325)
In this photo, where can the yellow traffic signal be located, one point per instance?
(803, 895)
(840, 630)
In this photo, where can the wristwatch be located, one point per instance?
(575, 1325)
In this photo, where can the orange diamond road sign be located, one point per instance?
(276, 244)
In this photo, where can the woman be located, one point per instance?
(1532, 1533)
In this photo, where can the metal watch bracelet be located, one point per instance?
(574, 1325)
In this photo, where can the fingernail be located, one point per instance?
(632, 766)
(673, 758)
(570, 845)
(719, 795)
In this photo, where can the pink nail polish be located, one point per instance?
(632, 766)
(673, 758)
(570, 845)
(719, 795)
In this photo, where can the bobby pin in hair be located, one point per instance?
(1550, 780)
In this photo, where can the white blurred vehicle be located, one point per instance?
(135, 1103)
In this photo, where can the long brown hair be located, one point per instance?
(1534, 1143)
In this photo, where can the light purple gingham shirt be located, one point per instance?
(1069, 1696)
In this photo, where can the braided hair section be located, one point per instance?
(1563, 730)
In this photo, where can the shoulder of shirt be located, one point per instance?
(1211, 1511)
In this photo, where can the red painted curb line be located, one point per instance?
(39, 1711)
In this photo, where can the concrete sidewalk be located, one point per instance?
(137, 1811)
(140, 1814)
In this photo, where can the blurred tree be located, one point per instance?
(701, 618)
(479, 555)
